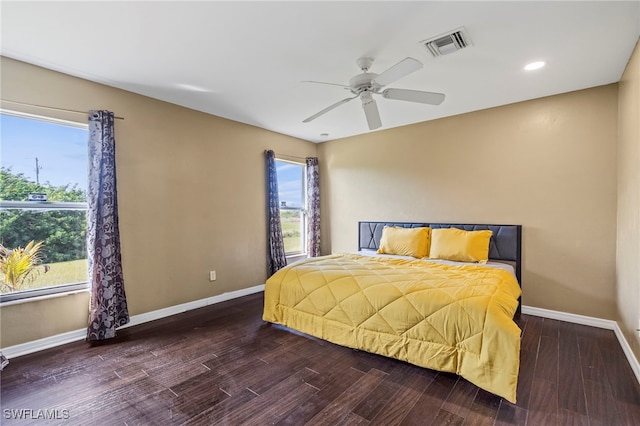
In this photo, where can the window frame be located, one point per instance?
(303, 210)
(57, 289)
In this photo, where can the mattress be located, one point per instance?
(447, 317)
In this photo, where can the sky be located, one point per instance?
(61, 150)
(290, 181)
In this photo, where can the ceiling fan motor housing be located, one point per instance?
(363, 82)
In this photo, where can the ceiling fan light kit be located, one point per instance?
(367, 84)
(370, 110)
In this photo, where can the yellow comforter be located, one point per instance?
(443, 317)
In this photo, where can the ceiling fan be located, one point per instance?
(367, 84)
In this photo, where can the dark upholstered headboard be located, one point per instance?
(505, 244)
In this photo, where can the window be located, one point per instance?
(43, 209)
(291, 192)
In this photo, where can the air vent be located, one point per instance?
(447, 43)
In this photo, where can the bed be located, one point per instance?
(443, 314)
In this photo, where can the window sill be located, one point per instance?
(296, 257)
(45, 296)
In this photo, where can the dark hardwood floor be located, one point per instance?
(223, 365)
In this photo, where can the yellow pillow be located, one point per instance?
(462, 246)
(405, 241)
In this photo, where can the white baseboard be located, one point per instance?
(572, 318)
(45, 343)
(76, 335)
(178, 309)
(592, 322)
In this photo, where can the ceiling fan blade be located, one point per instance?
(430, 98)
(371, 112)
(399, 70)
(327, 109)
(322, 82)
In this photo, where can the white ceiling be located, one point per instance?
(248, 59)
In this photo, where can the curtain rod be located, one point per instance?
(51, 108)
(285, 155)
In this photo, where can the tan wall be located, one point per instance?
(628, 250)
(548, 164)
(190, 191)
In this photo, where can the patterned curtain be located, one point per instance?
(313, 207)
(108, 308)
(277, 258)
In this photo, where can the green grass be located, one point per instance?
(291, 233)
(74, 271)
(292, 244)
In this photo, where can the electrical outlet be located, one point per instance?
(212, 275)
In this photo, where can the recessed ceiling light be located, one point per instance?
(534, 65)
